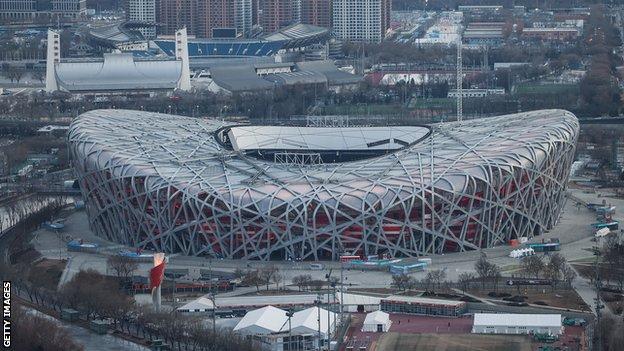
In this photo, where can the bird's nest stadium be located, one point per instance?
(207, 187)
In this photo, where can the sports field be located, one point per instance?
(452, 342)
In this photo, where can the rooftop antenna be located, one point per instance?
(460, 75)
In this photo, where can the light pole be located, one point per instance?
(289, 314)
(328, 276)
(214, 314)
(317, 302)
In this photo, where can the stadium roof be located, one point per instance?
(238, 78)
(319, 138)
(329, 70)
(298, 35)
(517, 320)
(115, 34)
(118, 72)
(184, 151)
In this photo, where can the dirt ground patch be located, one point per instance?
(447, 342)
(47, 273)
(562, 298)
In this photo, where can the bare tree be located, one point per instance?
(532, 265)
(123, 267)
(401, 281)
(568, 275)
(33, 332)
(38, 75)
(277, 279)
(302, 281)
(464, 280)
(253, 278)
(267, 273)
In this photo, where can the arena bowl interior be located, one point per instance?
(206, 187)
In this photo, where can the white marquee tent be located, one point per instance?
(377, 321)
(266, 320)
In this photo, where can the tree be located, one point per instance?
(435, 277)
(302, 281)
(464, 280)
(38, 75)
(253, 278)
(483, 269)
(95, 295)
(401, 281)
(277, 278)
(14, 73)
(568, 275)
(123, 267)
(532, 265)
(495, 275)
(267, 274)
(33, 332)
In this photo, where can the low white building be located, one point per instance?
(377, 321)
(511, 323)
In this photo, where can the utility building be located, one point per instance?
(510, 323)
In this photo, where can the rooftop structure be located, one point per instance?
(512, 323)
(464, 186)
(246, 77)
(116, 72)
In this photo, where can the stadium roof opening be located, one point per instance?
(329, 145)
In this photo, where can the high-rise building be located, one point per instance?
(202, 17)
(142, 11)
(175, 14)
(316, 12)
(361, 20)
(276, 14)
(213, 14)
(27, 10)
(243, 16)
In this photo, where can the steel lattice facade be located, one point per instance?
(164, 182)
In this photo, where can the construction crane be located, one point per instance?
(460, 77)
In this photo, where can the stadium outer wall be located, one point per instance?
(493, 179)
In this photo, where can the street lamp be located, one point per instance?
(289, 314)
(317, 302)
(214, 314)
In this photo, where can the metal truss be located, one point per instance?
(163, 182)
(298, 158)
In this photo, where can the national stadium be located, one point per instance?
(272, 192)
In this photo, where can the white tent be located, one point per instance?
(603, 232)
(377, 321)
(523, 252)
(265, 320)
(306, 321)
(202, 304)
